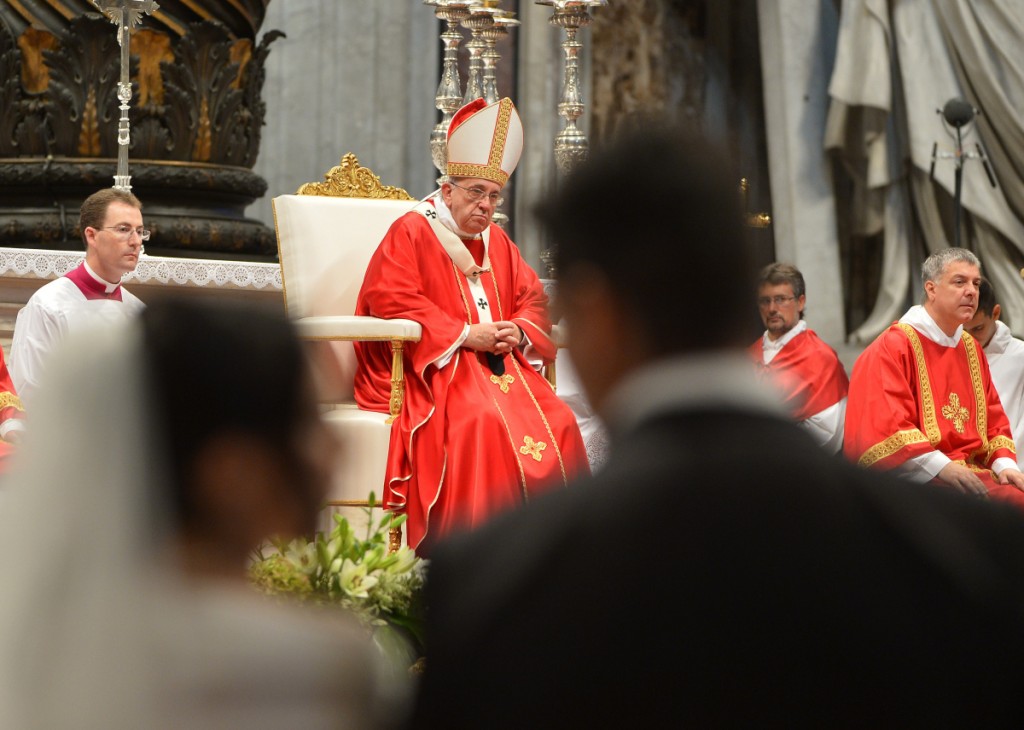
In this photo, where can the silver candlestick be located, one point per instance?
(125, 14)
(448, 98)
(571, 146)
(479, 19)
(503, 21)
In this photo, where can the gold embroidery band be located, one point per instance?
(8, 400)
(999, 442)
(931, 424)
(891, 445)
(981, 404)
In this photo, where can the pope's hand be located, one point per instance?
(497, 337)
(962, 478)
(1012, 476)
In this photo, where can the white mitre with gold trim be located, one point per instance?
(485, 141)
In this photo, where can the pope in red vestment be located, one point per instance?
(911, 397)
(480, 430)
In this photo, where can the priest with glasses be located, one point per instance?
(113, 234)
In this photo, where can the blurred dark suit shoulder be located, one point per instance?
(722, 570)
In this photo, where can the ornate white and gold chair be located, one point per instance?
(326, 234)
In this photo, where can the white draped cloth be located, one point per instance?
(99, 628)
(896, 64)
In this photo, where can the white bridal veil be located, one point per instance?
(98, 628)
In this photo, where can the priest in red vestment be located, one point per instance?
(481, 430)
(806, 372)
(921, 398)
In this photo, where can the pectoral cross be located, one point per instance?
(125, 14)
(955, 412)
(532, 448)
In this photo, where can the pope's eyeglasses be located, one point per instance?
(476, 194)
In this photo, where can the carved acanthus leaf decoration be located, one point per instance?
(352, 180)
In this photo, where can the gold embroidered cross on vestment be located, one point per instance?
(503, 381)
(532, 448)
(956, 413)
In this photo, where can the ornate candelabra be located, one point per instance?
(125, 14)
(449, 91)
(571, 144)
(480, 18)
(503, 21)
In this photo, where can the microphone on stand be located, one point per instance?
(957, 114)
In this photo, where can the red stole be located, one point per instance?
(807, 372)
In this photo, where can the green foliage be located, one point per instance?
(383, 589)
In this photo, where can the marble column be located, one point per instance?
(797, 49)
(355, 76)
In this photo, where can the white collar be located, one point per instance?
(768, 344)
(719, 379)
(918, 318)
(107, 286)
(1001, 338)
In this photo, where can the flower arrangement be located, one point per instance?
(384, 590)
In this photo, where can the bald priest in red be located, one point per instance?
(481, 431)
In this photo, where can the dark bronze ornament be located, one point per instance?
(196, 119)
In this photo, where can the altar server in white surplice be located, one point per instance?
(1005, 354)
(113, 234)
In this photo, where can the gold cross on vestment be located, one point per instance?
(955, 412)
(532, 448)
(503, 381)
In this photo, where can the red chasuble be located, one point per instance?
(807, 373)
(468, 443)
(910, 396)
